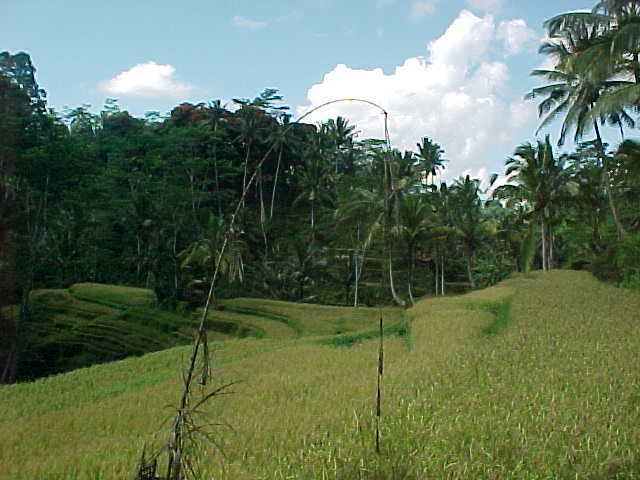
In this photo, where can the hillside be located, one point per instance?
(534, 378)
(92, 323)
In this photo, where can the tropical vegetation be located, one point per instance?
(324, 216)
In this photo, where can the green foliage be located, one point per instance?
(64, 332)
(490, 270)
(327, 217)
(620, 263)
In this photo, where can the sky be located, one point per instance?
(455, 71)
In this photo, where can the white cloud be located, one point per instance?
(147, 80)
(516, 36)
(522, 112)
(242, 22)
(455, 95)
(485, 5)
(421, 8)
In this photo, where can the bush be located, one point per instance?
(620, 263)
(492, 269)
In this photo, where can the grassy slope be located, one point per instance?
(94, 323)
(553, 394)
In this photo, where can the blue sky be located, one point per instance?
(453, 70)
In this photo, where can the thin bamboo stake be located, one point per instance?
(378, 396)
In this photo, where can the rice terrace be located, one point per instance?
(334, 288)
(551, 394)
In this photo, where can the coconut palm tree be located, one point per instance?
(573, 93)
(441, 200)
(281, 137)
(315, 177)
(538, 181)
(417, 224)
(364, 209)
(430, 156)
(378, 208)
(342, 135)
(217, 112)
(251, 120)
(466, 218)
(200, 256)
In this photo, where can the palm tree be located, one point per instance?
(430, 156)
(575, 90)
(365, 209)
(627, 175)
(589, 198)
(379, 208)
(440, 199)
(341, 134)
(467, 218)
(200, 256)
(416, 225)
(280, 137)
(251, 119)
(539, 184)
(217, 112)
(315, 176)
(248, 123)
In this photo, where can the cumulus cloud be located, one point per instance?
(455, 95)
(242, 22)
(148, 79)
(485, 5)
(422, 8)
(522, 112)
(516, 36)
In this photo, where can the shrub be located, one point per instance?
(620, 263)
(492, 269)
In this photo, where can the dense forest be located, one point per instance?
(328, 216)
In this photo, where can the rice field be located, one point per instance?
(536, 378)
(94, 323)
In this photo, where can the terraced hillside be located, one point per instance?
(94, 323)
(536, 378)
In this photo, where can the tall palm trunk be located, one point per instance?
(436, 262)
(263, 213)
(472, 280)
(357, 278)
(216, 175)
(543, 229)
(246, 168)
(410, 274)
(395, 296)
(215, 172)
(275, 183)
(358, 265)
(622, 233)
(442, 275)
(313, 217)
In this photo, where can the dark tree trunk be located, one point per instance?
(607, 183)
(472, 280)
